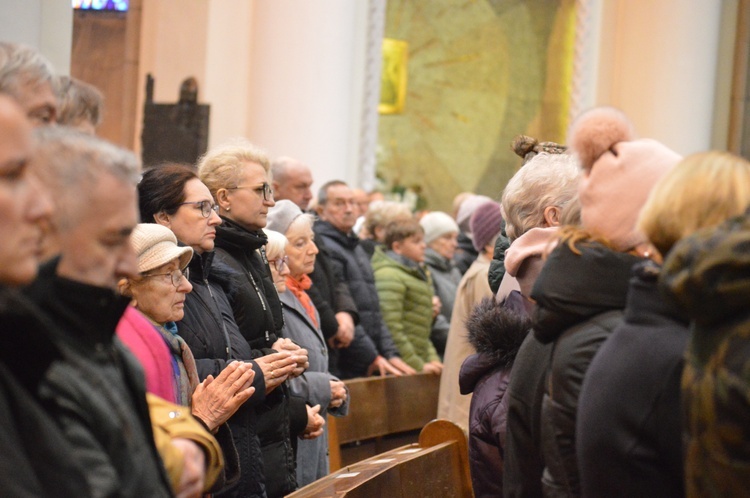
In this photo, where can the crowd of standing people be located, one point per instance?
(186, 330)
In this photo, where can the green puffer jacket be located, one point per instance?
(708, 275)
(405, 294)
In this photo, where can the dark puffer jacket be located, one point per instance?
(36, 458)
(465, 253)
(496, 331)
(708, 276)
(629, 435)
(97, 394)
(445, 280)
(330, 295)
(208, 327)
(579, 299)
(352, 263)
(257, 311)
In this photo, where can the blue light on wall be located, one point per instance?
(119, 5)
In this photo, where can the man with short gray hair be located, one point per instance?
(96, 393)
(28, 77)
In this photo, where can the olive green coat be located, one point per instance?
(405, 295)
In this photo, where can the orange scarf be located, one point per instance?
(298, 288)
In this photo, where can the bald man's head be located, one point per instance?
(292, 180)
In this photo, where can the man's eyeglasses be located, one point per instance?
(175, 276)
(206, 207)
(264, 190)
(280, 263)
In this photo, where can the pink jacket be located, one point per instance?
(147, 344)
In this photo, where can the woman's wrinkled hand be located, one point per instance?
(276, 367)
(216, 399)
(315, 423)
(338, 394)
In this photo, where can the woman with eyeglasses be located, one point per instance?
(159, 292)
(236, 174)
(172, 195)
(302, 324)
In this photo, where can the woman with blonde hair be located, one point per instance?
(630, 437)
(237, 175)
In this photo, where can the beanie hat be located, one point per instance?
(281, 216)
(467, 208)
(486, 223)
(619, 172)
(436, 224)
(155, 245)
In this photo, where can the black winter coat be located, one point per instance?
(465, 253)
(579, 299)
(36, 458)
(97, 393)
(496, 331)
(208, 327)
(330, 295)
(524, 462)
(257, 310)
(629, 432)
(352, 263)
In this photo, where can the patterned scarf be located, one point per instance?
(298, 288)
(186, 372)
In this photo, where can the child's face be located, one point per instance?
(412, 247)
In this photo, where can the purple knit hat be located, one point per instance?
(485, 224)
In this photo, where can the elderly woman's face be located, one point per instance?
(189, 224)
(301, 250)
(445, 245)
(24, 203)
(279, 271)
(246, 201)
(157, 297)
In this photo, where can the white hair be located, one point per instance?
(546, 180)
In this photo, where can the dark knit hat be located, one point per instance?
(485, 224)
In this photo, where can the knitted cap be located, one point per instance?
(155, 245)
(619, 173)
(282, 215)
(467, 208)
(485, 224)
(436, 224)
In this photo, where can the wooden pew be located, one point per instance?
(381, 406)
(436, 466)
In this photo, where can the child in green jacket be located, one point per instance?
(406, 294)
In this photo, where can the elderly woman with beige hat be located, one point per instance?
(158, 293)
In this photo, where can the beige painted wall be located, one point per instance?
(659, 63)
(282, 73)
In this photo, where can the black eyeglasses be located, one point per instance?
(175, 276)
(206, 207)
(264, 190)
(279, 263)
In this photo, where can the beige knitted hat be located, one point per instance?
(436, 224)
(155, 245)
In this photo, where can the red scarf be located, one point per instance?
(298, 288)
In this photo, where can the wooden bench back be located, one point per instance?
(381, 406)
(436, 466)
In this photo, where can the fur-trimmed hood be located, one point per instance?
(496, 330)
